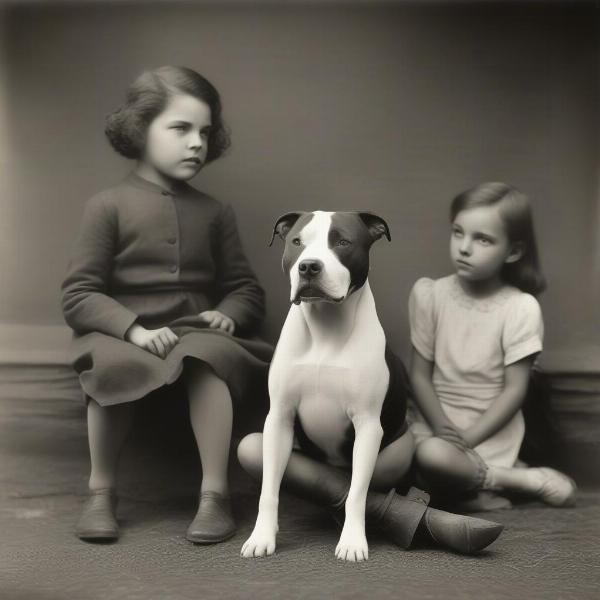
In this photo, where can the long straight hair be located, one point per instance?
(515, 211)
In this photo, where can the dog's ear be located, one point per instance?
(376, 225)
(284, 224)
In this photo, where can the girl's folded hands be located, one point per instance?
(157, 341)
(217, 320)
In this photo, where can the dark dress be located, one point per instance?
(158, 258)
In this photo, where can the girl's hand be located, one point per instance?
(452, 435)
(157, 341)
(505, 405)
(217, 320)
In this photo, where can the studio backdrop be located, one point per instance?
(387, 107)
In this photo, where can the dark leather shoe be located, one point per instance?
(459, 532)
(213, 522)
(97, 522)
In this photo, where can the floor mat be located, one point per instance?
(543, 552)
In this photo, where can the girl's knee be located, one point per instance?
(249, 452)
(441, 464)
(434, 454)
(201, 379)
(196, 369)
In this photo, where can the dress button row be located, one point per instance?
(173, 268)
(165, 193)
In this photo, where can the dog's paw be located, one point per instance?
(260, 543)
(352, 545)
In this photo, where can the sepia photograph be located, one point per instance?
(299, 299)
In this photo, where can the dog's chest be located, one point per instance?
(327, 396)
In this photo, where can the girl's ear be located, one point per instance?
(284, 224)
(516, 253)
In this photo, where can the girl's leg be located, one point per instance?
(211, 417)
(107, 430)
(393, 463)
(398, 516)
(302, 473)
(108, 427)
(391, 467)
(443, 467)
(549, 485)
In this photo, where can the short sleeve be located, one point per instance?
(523, 331)
(422, 318)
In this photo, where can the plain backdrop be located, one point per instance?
(388, 107)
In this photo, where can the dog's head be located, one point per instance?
(326, 254)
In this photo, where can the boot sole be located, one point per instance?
(196, 539)
(100, 536)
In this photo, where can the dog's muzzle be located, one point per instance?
(309, 287)
(310, 268)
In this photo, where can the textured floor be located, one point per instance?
(543, 552)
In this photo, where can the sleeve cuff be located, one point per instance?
(531, 346)
(121, 324)
(232, 310)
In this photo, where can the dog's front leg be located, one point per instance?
(278, 436)
(353, 540)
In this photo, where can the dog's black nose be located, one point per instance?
(310, 268)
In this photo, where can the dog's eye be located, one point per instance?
(296, 241)
(343, 242)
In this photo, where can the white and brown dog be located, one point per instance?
(330, 371)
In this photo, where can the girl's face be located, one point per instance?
(479, 244)
(176, 141)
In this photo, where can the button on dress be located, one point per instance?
(159, 258)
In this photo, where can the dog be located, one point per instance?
(331, 373)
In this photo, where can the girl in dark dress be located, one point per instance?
(158, 275)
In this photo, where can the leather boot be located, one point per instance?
(97, 522)
(397, 516)
(400, 516)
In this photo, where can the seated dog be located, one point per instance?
(335, 383)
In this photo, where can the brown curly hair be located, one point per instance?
(148, 96)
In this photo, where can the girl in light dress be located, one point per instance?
(475, 336)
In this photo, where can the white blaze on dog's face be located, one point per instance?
(326, 254)
(317, 273)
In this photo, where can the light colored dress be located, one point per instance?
(471, 341)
